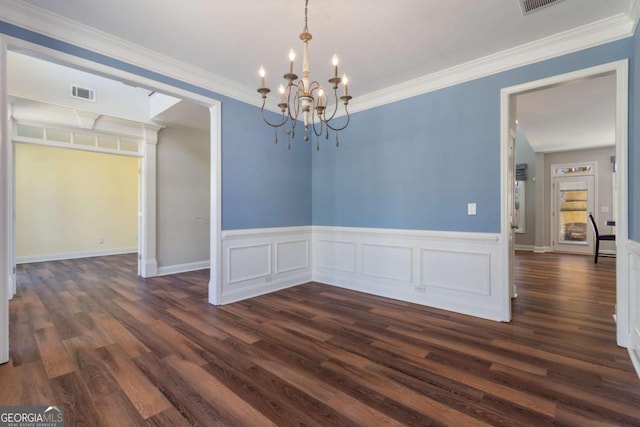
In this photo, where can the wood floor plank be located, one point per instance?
(79, 410)
(143, 395)
(237, 411)
(54, 357)
(118, 411)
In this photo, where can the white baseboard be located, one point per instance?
(458, 272)
(259, 261)
(529, 248)
(540, 249)
(73, 255)
(183, 268)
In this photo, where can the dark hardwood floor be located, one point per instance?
(120, 351)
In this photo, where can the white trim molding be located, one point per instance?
(634, 303)
(621, 71)
(447, 270)
(74, 255)
(183, 268)
(259, 261)
(6, 211)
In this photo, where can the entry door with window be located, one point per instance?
(573, 199)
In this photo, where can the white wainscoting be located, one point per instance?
(634, 303)
(454, 271)
(258, 261)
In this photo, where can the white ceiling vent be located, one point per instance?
(530, 6)
(83, 93)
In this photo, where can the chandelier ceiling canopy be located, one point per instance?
(303, 95)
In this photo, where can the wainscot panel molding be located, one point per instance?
(74, 255)
(183, 268)
(634, 303)
(450, 270)
(258, 261)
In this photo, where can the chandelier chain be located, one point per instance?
(306, 6)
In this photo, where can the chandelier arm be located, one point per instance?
(290, 90)
(335, 109)
(338, 129)
(285, 119)
(313, 123)
(296, 106)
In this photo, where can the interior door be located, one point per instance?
(573, 200)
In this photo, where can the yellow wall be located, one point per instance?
(67, 200)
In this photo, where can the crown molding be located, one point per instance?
(634, 14)
(604, 31)
(600, 32)
(46, 23)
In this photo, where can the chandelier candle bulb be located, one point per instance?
(335, 65)
(292, 56)
(262, 74)
(345, 82)
(282, 98)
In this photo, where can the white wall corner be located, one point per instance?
(149, 268)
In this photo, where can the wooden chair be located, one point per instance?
(599, 237)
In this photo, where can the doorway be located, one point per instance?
(619, 70)
(573, 199)
(150, 81)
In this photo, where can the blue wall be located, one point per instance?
(416, 163)
(262, 185)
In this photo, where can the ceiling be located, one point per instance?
(577, 115)
(380, 43)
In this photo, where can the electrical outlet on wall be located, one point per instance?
(471, 208)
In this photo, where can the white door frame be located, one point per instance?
(621, 71)
(214, 105)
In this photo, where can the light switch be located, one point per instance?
(471, 208)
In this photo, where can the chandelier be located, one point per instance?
(306, 96)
